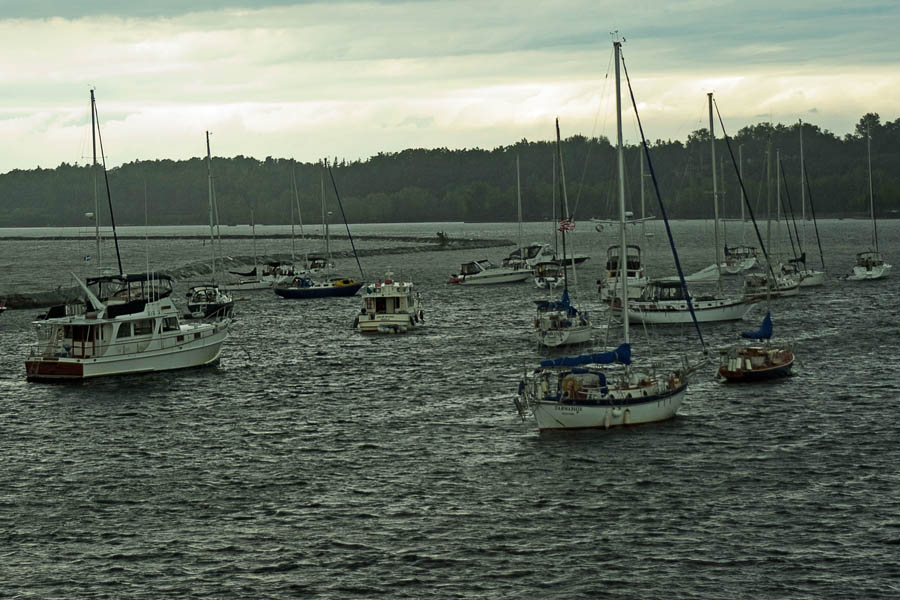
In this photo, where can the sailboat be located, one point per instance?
(771, 282)
(124, 323)
(573, 393)
(318, 285)
(870, 264)
(664, 301)
(809, 277)
(762, 360)
(258, 278)
(559, 322)
(208, 299)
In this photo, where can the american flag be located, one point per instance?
(566, 225)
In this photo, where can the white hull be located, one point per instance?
(205, 352)
(812, 278)
(164, 353)
(569, 336)
(674, 312)
(396, 323)
(864, 274)
(487, 278)
(568, 416)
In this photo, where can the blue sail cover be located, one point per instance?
(622, 354)
(763, 333)
(562, 304)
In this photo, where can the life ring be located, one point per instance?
(571, 386)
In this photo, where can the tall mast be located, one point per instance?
(712, 147)
(871, 194)
(293, 195)
(253, 235)
(641, 157)
(94, 171)
(325, 216)
(743, 195)
(519, 199)
(212, 235)
(802, 186)
(623, 244)
(770, 282)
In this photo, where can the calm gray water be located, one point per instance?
(313, 462)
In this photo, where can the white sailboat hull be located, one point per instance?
(569, 336)
(865, 274)
(676, 311)
(812, 278)
(570, 416)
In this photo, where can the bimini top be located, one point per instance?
(763, 333)
(622, 355)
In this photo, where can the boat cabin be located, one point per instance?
(869, 259)
(633, 268)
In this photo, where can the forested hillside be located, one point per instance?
(470, 184)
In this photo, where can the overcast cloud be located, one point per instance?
(350, 79)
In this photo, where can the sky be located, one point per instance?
(350, 79)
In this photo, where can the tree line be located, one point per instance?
(418, 185)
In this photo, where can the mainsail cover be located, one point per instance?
(763, 333)
(622, 354)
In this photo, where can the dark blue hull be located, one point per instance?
(748, 376)
(301, 293)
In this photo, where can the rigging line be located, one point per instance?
(563, 216)
(787, 194)
(812, 209)
(112, 217)
(662, 209)
(600, 111)
(344, 216)
(744, 192)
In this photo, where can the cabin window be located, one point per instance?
(170, 324)
(124, 331)
(82, 333)
(381, 305)
(143, 327)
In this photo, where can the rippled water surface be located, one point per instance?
(315, 462)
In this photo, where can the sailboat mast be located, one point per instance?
(519, 200)
(871, 193)
(324, 216)
(293, 195)
(641, 161)
(770, 275)
(562, 209)
(253, 235)
(212, 234)
(94, 171)
(802, 187)
(623, 244)
(715, 193)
